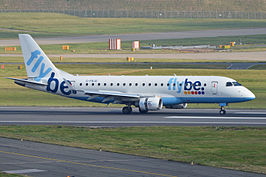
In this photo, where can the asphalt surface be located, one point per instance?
(229, 65)
(112, 117)
(239, 56)
(142, 36)
(42, 160)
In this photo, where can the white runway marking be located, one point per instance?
(23, 171)
(221, 118)
(250, 113)
(131, 122)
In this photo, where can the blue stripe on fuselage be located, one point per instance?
(178, 100)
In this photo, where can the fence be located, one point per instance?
(152, 14)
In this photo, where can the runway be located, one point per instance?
(112, 117)
(42, 160)
(141, 36)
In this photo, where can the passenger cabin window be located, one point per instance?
(92, 84)
(229, 84)
(99, 84)
(124, 84)
(104, 84)
(143, 84)
(117, 84)
(136, 84)
(87, 84)
(80, 84)
(130, 84)
(236, 84)
(111, 84)
(149, 84)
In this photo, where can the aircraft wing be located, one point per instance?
(24, 81)
(111, 95)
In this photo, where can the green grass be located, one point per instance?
(259, 67)
(50, 24)
(121, 60)
(250, 41)
(216, 41)
(240, 148)
(10, 175)
(139, 5)
(14, 95)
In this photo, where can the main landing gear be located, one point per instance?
(222, 110)
(127, 110)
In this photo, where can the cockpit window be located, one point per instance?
(229, 84)
(236, 84)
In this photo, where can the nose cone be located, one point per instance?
(249, 95)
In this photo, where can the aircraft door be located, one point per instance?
(214, 87)
(73, 85)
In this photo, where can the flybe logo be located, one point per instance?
(187, 87)
(53, 85)
(39, 63)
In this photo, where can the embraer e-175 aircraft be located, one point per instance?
(148, 93)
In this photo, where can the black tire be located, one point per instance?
(222, 112)
(143, 111)
(126, 110)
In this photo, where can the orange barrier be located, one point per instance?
(65, 47)
(10, 49)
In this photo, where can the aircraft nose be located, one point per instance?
(249, 95)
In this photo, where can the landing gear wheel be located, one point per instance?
(143, 111)
(222, 111)
(126, 110)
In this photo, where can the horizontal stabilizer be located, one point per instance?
(24, 81)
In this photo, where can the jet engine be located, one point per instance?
(177, 106)
(150, 104)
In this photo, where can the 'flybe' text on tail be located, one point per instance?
(37, 64)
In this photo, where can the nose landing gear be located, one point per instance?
(222, 110)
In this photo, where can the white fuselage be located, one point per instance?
(172, 89)
(145, 92)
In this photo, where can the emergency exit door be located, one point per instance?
(214, 87)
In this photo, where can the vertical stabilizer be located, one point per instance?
(38, 65)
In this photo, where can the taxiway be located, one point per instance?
(42, 160)
(142, 36)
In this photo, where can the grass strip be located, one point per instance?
(78, 60)
(53, 24)
(11, 175)
(253, 43)
(240, 148)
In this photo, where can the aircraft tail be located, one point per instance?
(38, 65)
